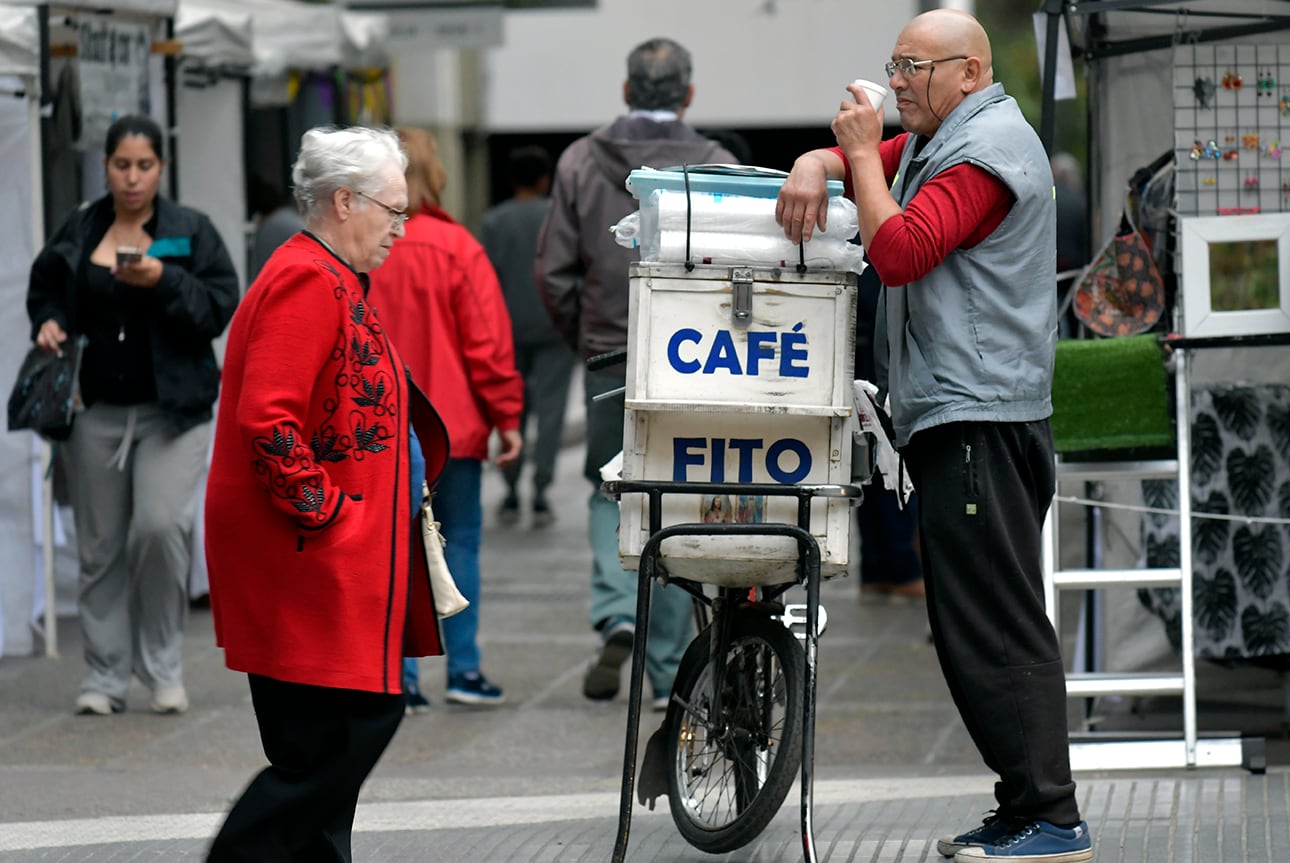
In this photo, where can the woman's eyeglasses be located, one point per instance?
(397, 217)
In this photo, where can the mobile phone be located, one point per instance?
(128, 255)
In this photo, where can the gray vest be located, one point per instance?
(974, 339)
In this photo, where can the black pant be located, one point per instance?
(983, 490)
(321, 744)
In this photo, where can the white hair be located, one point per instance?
(351, 158)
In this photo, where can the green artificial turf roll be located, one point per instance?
(1110, 394)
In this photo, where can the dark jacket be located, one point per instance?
(195, 298)
(508, 232)
(581, 269)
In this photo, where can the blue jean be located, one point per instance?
(461, 515)
(613, 589)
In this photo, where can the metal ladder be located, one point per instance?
(1108, 750)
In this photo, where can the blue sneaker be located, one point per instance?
(472, 688)
(1034, 842)
(994, 828)
(416, 703)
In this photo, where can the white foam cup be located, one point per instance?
(876, 92)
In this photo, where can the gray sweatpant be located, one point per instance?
(132, 483)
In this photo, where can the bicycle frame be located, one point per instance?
(808, 571)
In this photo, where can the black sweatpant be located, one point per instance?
(983, 490)
(321, 744)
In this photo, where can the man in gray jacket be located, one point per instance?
(958, 219)
(582, 276)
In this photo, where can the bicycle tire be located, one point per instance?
(726, 780)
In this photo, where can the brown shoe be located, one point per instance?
(881, 592)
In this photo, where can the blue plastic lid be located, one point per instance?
(744, 180)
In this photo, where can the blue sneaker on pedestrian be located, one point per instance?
(1034, 842)
(472, 688)
(990, 831)
(416, 703)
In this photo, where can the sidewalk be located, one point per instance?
(537, 779)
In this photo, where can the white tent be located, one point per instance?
(19, 194)
(365, 40)
(1130, 49)
(26, 543)
(19, 33)
(214, 63)
(214, 35)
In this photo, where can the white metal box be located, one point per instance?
(738, 375)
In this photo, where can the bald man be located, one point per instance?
(958, 219)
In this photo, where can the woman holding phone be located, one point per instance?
(149, 284)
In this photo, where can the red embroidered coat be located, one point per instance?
(316, 570)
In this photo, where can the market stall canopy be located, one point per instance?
(287, 35)
(1125, 27)
(215, 34)
(366, 36)
(19, 41)
(145, 7)
(1130, 48)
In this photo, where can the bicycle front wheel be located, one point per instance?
(731, 767)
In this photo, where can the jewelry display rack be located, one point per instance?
(1231, 121)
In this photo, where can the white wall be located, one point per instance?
(757, 63)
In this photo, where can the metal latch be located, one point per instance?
(741, 310)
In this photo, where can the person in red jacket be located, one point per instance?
(444, 308)
(318, 579)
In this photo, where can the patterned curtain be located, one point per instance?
(1240, 466)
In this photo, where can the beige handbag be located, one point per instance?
(447, 598)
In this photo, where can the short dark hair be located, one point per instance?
(133, 124)
(527, 165)
(658, 75)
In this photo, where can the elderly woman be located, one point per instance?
(148, 285)
(318, 584)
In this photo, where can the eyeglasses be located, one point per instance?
(398, 218)
(909, 67)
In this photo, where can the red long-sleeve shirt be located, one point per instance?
(958, 208)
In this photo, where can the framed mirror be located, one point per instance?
(1236, 275)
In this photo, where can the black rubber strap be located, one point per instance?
(685, 172)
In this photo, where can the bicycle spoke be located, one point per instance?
(723, 777)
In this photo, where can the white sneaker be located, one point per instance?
(169, 699)
(93, 704)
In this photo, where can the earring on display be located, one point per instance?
(1273, 150)
(1203, 90)
(1251, 182)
